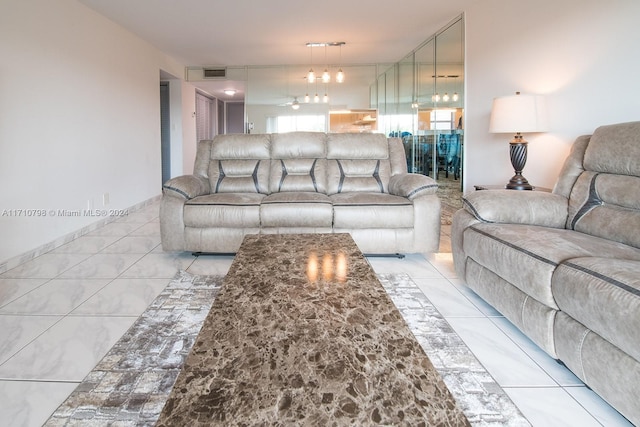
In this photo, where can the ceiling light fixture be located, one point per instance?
(311, 77)
(445, 97)
(340, 74)
(455, 96)
(230, 92)
(326, 76)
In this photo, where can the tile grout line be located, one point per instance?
(69, 314)
(48, 247)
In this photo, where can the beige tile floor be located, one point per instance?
(62, 311)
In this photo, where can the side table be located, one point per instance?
(502, 187)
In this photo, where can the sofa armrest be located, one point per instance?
(518, 207)
(412, 185)
(186, 187)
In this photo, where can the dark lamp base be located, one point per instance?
(518, 182)
(518, 154)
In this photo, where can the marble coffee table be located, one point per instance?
(303, 333)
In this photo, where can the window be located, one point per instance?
(282, 124)
(443, 119)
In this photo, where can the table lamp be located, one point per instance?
(516, 114)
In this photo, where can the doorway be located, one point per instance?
(165, 132)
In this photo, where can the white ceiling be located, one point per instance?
(274, 32)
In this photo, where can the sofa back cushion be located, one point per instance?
(298, 162)
(605, 199)
(357, 163)
(397, 156)
(239, 163)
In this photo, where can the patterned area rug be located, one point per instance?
(479, 396)
(131, 384)
(450, 195)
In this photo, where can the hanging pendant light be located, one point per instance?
(316, 98)
(326, 78)
(445, 97)
(306, 95)
(311, 77)
(326, 75)
(340, 74)
(455, 93)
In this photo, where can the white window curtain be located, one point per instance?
(310, 123)
(205, 117)
(272, 124)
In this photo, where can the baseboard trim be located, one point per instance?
(63, 240)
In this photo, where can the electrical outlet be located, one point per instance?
(105, 199)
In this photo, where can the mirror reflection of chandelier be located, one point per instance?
(445, 98)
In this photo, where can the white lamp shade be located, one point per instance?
(518, 113)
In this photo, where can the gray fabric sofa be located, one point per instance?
(301, 182)
(564, 267)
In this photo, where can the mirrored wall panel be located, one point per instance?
(423, 104)
(281, 99)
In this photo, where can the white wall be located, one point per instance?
(582, 54)
(79, 117)
(189, 136)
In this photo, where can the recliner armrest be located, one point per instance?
(518, 207)
(186, 186)
(412, 185)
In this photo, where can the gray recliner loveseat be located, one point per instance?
(301, 182)
(564, 267)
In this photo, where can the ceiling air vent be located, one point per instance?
(215, 73)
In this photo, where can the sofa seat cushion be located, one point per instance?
(296, 209)
(371, 210)
(528, 255)
(604, 295)
(223, 210)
